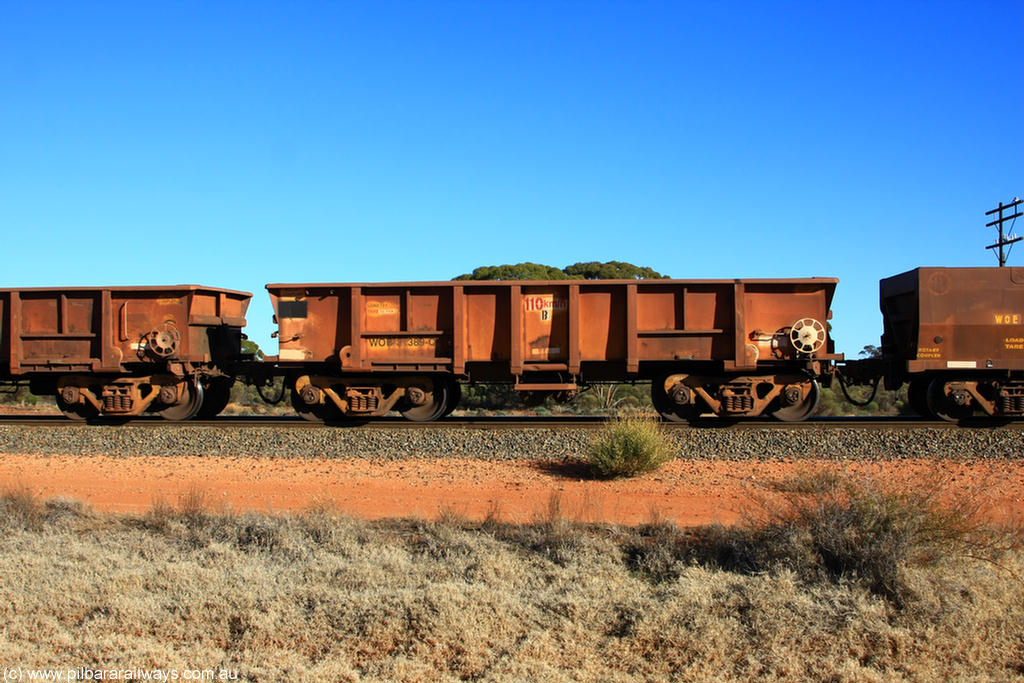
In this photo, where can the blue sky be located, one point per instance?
(234, 144)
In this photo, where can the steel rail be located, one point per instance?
(505, 422)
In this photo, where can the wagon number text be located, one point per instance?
(400, 342)
(545, 305)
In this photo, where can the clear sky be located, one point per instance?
(234, 144)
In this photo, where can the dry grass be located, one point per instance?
(318, 596)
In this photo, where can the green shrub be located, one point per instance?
(629, 446)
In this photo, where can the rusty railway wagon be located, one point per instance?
(957, 336)
(727, 347)
(122, 351)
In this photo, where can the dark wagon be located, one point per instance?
(122, 351)
(728, 347)
(957, 336)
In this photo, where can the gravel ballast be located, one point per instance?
(548, 443)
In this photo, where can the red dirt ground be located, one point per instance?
(687, 492)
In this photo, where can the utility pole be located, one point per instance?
(1008, 239)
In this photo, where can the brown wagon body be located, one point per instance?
(732, 347)
(120, 351)
(957, 335)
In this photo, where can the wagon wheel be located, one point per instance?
(79, 412)
(917, 397)
(216, 395)
(189, 405)
(426, 401)
(944, 405)
(318, 412)
(801, 410)
(667, 408)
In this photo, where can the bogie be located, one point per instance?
(84, 397)
(329, 398)
(682, 398)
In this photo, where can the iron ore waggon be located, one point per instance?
(123, 351)
(732, 348)
(727, 347)
(957, 336)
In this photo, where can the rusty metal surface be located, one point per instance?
(112, 329)
(954, 319)
(603, 329)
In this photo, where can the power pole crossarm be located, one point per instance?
(998, 223)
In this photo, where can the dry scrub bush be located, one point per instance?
(628, 446)
(194, 506)
(871, 531)
(21, 509)
(825, 525)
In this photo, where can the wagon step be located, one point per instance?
(546, 386)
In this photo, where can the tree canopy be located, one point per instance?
(593, 270)
(520, 271)
(249, 346)
(871, 351)
(611, 270)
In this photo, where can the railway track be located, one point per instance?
(502, 438)
(504, 422)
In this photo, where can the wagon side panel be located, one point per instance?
(544, 325)
(771, 313)
(109, 330)
(215, 322)
(487, 324)
(54, 330)
(406, 327)
(5, 334)
(685, 321)
(314, 324)
(149, 326)
(970, 318)
(602, 323)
